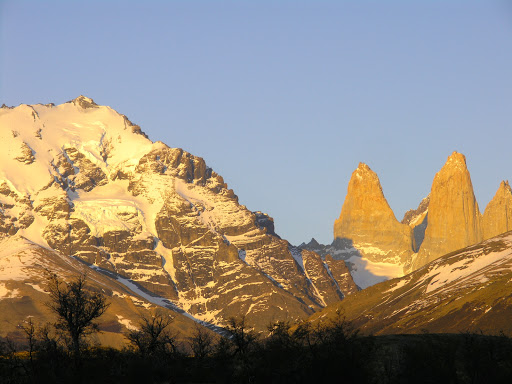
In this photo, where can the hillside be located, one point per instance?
(466, 290)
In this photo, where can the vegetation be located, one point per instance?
(76, 308)
(329, 351)
(152, 338)
(298, 353)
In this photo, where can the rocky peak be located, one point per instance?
(453, 214)
(84, 102)
(417, 219)
(368, 221)
(364, 173)
(264, 221)
(313, 243)
(414, 217)
(497, 217)
(456, 160)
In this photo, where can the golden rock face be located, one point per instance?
(498, 213)
(368, 221)
(454, 220)
(448, 219)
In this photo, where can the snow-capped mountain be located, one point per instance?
(82, 180)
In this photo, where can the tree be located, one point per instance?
(201, 342)
(76, 307)
(152, 337)
(242, 336)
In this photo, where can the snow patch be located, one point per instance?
(126, 322)
(366, 273)
(6, 293)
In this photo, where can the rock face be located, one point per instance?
(417, 219)
(83, 180)
(497, 216)
(23, 294)
(453, 214)
(376, 247)
(339, 269)
(369, 223)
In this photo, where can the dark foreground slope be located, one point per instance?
(307, 355)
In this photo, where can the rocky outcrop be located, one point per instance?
(417, 219)
(369, 223)
(27, 154)
(265, 221)
(341, 274)
(453, 214)
(497, 216)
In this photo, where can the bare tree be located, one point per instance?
(243, 337)
(153, 337)
(201, 342)
(76, 308)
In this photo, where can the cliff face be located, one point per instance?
(454, 220)
(498, 213)
(376, 247)
(417, 219)
(369, 223)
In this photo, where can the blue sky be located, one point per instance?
(285, 98)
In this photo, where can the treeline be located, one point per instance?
(325, 353)
(331, 351)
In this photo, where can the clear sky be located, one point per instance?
(285, 98)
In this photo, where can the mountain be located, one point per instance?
(376, 247)
(497, 216)
(466, 290)
(84, 181)
(453, 214)
(367, 234)
(367, 220)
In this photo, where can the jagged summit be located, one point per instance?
(497, 216)
(313, 243)
(368, 223)
(448, 219)
(456, 159)
(414, 217)
(453, 214)
(363, 167)
(84, 102)
(364, 171)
